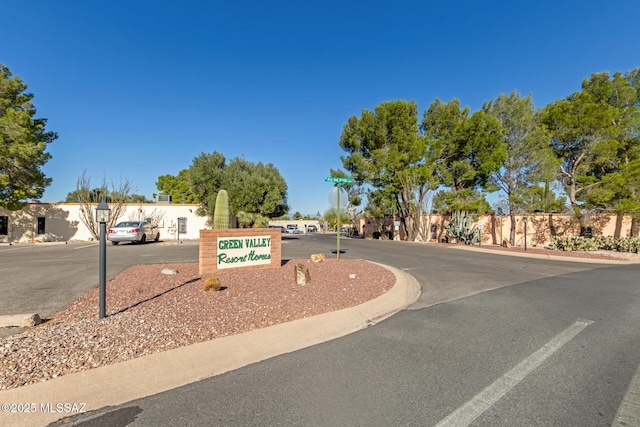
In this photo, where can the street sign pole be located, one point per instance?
(338, 227)
(338, 181)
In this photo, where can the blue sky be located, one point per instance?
(138, 89)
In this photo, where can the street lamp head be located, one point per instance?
(103, 213)
(525, 219)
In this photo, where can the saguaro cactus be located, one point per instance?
(221, 211)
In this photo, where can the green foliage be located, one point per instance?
(462, 200)
(252, 187)
(178, 187)
(574, 243)
(468, 150)
(249, 220)
(529, 158)
(381, 146)
(606, 243)
(23, 144)
(297, 215)
(594, 133)
(461, 229)
(221, 212)
(331, 216)
(540, 199)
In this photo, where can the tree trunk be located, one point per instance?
(635, 227)
(512, 228)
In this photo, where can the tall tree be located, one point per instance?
(381, 146)
(587, 138)
(468, 150)
(619, 189)
(254, 188)
(205, 179)
(23, 144)
(528, 156)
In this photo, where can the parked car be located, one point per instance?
(133, 231)
(293, 229)
(312, 228)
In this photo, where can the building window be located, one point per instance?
(40, 225)
(4, 225)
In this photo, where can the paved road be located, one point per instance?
(44, 278)
(493, 341)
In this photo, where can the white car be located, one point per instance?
(133, 231)
(293, 229)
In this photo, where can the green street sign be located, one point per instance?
(338, 179)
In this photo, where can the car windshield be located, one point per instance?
(128, 224)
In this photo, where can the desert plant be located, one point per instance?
(221, 211)
(574, 243)
(460, 229)
(211, 284)
(607, 243)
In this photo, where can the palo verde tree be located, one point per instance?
(381, 145)
(23, 144)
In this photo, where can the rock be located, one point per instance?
(317, 257)
(505, 244)
(20, 320)
(302, 275)
(169, 271)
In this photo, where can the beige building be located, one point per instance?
(61, 222)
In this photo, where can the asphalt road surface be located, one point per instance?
(494, 340)
(44, 278)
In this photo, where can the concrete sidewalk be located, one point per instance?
(123, 382)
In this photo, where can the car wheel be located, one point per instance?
(157, 238)
(115, 243)
(143, 239)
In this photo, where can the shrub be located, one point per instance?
(606, 243)
(211, 284)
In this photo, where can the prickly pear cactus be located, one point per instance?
(221, 211)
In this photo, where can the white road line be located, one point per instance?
(464, 415)
(629, 411)
(85, 246)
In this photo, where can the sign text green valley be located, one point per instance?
(234, 252)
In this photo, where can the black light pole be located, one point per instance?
(102, 216)
(525, 232)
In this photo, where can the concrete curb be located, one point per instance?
(549, 257)
(123, 382)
